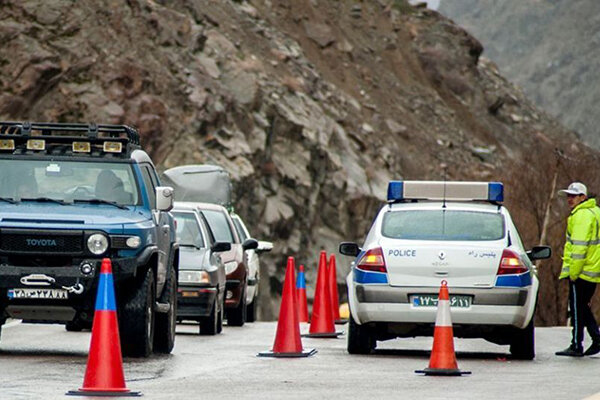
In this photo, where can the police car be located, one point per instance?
(454, 231)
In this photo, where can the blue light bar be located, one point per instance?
(496, 191)
(395, 191)
(445, 191)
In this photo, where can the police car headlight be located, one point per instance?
(97, 244)
(193, 277)
(230, 266)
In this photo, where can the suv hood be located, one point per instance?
(85, 214)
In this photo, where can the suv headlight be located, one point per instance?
(230, 266)
(97, 244)
(194, 277)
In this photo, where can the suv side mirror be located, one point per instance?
(164, 198)
(219, 247)
(264, 246)
(539, 253)
(349, 249)
(250, 244)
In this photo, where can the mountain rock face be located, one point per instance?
(312, 105)
(547, 47)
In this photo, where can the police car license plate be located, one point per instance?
(431, 300)
(59, 294)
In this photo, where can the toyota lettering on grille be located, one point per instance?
(41, 242)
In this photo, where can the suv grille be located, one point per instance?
(41, 242)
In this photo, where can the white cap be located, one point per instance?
(575, 188)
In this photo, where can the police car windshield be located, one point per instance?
(443, 225)
(68, 181)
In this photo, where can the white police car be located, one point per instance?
(433, 231)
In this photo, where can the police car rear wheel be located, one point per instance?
(360, 340)
(522, 346)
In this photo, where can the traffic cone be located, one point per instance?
(443, 359)
(104, 372)
(301, 296)
(321, 322)
(333, 291)
(287, 339)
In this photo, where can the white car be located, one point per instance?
(435, 231)
(253, 266)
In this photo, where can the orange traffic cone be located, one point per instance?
(321, 323)
(443, 359)
(333, 291)
(104, 372)
(301, 296)
(287, 339)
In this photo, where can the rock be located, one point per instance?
(209, 65)
(483, 153)
(356, 11)
(395, 128)
(242, 85)
(319, 33)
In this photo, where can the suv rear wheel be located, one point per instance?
(360, 340)
(136, 319)
(164, 332)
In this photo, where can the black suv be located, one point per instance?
(71, 195)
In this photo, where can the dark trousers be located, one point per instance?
(580, 296)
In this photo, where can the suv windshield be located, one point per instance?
(68, 181)
(443, 225)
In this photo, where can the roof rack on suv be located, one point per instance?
(53, 138)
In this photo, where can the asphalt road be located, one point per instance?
(45, 361)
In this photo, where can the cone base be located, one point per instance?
(104, 393)
(340, 321)
(442, 372)
(327, 335)
(304, 353)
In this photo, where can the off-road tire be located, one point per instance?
(360, 339)
(251, 311)
(136, 318)
(73, 326)
(237, 316)
(522, 346)
(209, 325)
(164, 330)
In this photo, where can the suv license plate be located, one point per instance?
(431, 300)
(59, 294)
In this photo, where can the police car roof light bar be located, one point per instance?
(445, 191)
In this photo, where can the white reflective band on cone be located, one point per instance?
(443, 314)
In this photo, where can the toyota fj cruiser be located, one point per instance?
(71, 195)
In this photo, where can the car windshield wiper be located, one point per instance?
(8, 200)
(45, 199)
(101, 201)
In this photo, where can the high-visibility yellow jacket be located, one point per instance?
(581, 256)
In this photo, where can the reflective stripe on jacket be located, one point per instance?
(581, 256)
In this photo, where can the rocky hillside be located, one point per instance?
(312, 105)
(547, 47)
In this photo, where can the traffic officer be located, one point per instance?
(581, 264)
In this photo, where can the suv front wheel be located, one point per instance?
(136, 318)
(164, 332)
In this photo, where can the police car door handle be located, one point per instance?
(441, 273)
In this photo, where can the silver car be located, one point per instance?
(201, 291)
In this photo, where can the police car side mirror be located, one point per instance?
(539, 253)
(349, 249)
(219, 247)
(164, 198)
